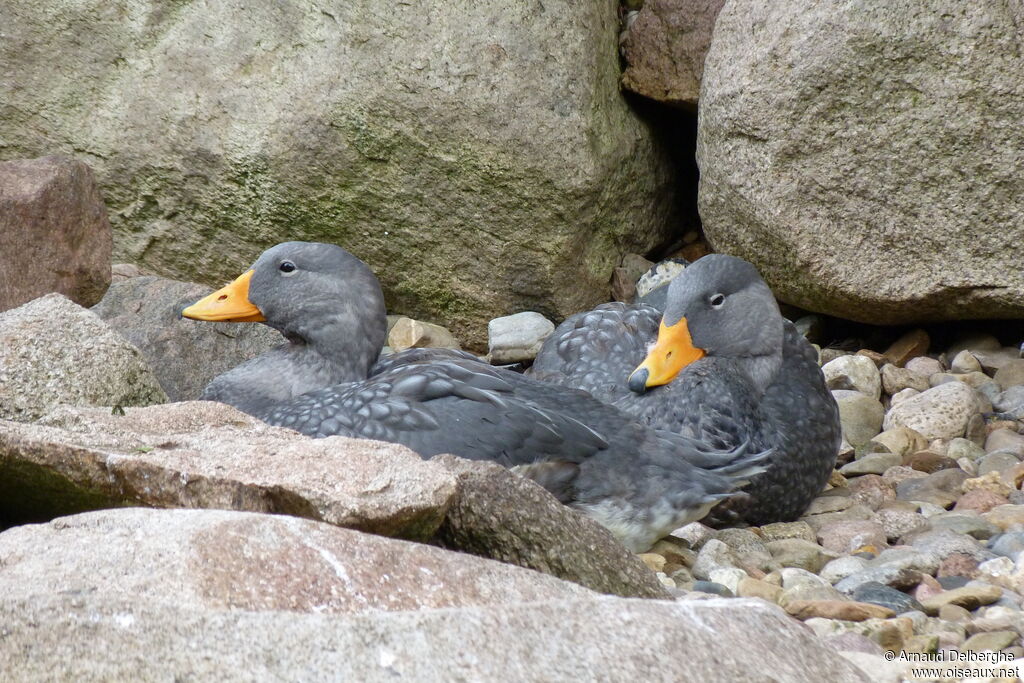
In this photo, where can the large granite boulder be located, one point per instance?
(184, 354)
(208, 455)
(495, 132)
(217, 559)
(866, 156)
(54, 351)
(203, 454)
(88, 638)
(54, 231)
(665, 47)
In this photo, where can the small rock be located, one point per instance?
(979, 501)
(694, 534)
(965, 362)
(993, 641)
(415, 334)
(654, 562)
(842, 567)
(1000, 571)
(837, 609)
(895, 577)
(899, 519)
(755, 588)
(928, 587)
(964, 448)
(885, 596)
(854, 642)
(800, 553)
(924, 366)
(911, 345)
(793, 577)
(1011, 374)
(941, 412)
(900, 441)
(969, 597)
(516, 338)
(895, 380)
(847, 536)
(968, 525)
(729, 577)
(1007, 544)
(996, 463)
(871, 490)
(1007, 516)
(712, 588)
(941, 488)
(990, 481)
(855, 373)
(713, 555)
(921, 643)
(926, 461)
(1005, 440)
(1011, 402)
(861, 416)
(824, 504)
(897, 475)
(907, 558)
(955, 613)
(958, 564)
(943, 543)
(901, 396)
(871, 463)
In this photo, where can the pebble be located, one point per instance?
(943, 542)
(965, 362)
(958, 564)
(799, 553)
(860, 415)
(901, 396)
(1006, 517)
(729, 577)
(837, 609)
(895, 380)
(842, 567)
(1011, 402)
(898, 519)
(969, 597)
(964, 448)
(941, 488)
(871, 463)
(1010, 374)
(415, 334)
(886, 596)
(939, 413)
(1005, 440)
(990, 481)
(970, 525)
(896, 577)
(929, 462)
(713, 555)
(756, 588)
(856, 373)
(712, 588)
(924, 366)
(1008, 544)
(911, 345)
(979, 501)
(994, 641)
(907, 558)
(871, 490)
(517, 338)
(848, 536)
(781, 530)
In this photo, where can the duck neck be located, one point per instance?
(339, 349)
(761, 370)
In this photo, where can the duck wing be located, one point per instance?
(596, 351)
(457, 406)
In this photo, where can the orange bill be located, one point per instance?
(228, 304)
(673, 351)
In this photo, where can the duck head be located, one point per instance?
(719, 306)
(315, 294)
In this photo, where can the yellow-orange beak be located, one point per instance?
(673, 351)
(228, 304)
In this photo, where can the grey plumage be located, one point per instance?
(758, 384)
(637, 481)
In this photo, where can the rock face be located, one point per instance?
(665, 48)
(867, 160)
(495, 132)
(209, 455)
(54, 232)
(84, 638)
(184, 354)
(54, 351)
(217, 559)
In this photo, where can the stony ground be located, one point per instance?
(916, 545)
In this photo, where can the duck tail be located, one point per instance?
(740, 465)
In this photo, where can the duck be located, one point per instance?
(719, 363)
(328, 379)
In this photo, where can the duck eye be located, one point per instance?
(286, 267)
(716, 300)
